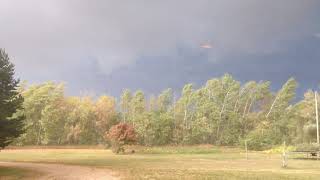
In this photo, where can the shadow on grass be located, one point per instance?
(11, 173)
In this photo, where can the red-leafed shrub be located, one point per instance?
(120, 135)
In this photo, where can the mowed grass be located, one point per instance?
(201, 162)
(9, 173)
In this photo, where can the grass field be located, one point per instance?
(17, 173)
(202, 162)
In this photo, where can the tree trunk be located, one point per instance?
(221, 112)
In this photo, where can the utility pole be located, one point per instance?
(317, 116)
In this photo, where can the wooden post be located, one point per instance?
(245, 143)
(317, 121)
(317, 116)
(284, 156)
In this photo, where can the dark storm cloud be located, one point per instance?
(89, 44)
(300, 60)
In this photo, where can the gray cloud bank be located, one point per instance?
(91, 44)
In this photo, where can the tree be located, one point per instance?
(81, 124)
(278, 119)
(11, 122)
(306, 123)
(43, 109)
(139, 116)
(283, 98)
(222, 112)
(125, 102)
(105, 114)
(54, 117)
(138, 103)
(165, 100)
(184, 114)
(159, 121)
(120, 135)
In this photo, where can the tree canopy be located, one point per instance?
(223, 111)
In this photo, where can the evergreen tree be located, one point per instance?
(11, 123)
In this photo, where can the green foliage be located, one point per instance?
(42, 108)
(222, 112)
(159, 129)
(11, 122)
(53, 119)
(82, 121)
(125, 104)
(278, 124)
(259, 140)
(165, 100)
(105, 115)
(279, 149)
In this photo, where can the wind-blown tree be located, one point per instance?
(283, 110)
(54, 117)
(249, 105)
(276, 124)
(81, 125)
(105, 115)
(184, 115)
(139, 117)
(305, 123)
(162, 120)
(125, 102)
(42, 108)
(165, 100)
(11, 122)
(229, 88)
(214, 119)
(202, 127)
(159, 120)
(222, 112)
(152, 105)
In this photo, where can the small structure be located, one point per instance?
(310, 150)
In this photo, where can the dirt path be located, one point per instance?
(63, 172)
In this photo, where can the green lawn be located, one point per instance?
(176, 163)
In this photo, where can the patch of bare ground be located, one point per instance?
(64, 172)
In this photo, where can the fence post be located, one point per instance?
(284, 156)
(246, 146)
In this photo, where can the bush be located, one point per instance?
(120, 135)
(279, 149)
(258, 141)
(310, 132)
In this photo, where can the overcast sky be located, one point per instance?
(104, 46)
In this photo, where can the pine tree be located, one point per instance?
(11, 123)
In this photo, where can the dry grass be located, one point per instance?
(58, 147)
(176, 162)
(9, 173)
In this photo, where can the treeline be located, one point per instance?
(52, 118)
(222, 112)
